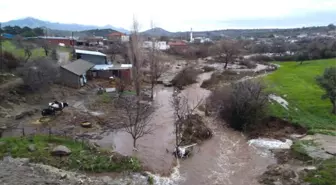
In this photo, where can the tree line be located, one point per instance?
(24, 31)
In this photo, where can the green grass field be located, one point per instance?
(18, 52)
(296, 83)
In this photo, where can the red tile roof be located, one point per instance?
(115, 34)
(177, 43)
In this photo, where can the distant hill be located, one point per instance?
(33, 23)
(157, 32)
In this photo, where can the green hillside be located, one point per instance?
(296, 84)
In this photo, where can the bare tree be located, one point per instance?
(136, 117)
(39, 73)
(155, 67)
(243, 105)
(226, 51)
(28, 51)
(121, 85)
(134, 53)
(45, 45)
(182, 110)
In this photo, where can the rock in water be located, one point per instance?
(31, 148)
(61, 150)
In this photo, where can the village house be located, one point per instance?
(74, 74)
(178, 46)
(122, 71)
(94, 57)
(118, 37)
(158, 45)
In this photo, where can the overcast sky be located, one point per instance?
(176, 15)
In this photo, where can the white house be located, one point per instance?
(159, 45)
(125, 38)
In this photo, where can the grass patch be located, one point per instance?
(325, 174)
(296, 84)
(150, 180)
(83, 157)
(19, 53)
(299, 151)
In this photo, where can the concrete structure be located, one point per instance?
(158, 45)
(74, 74)
(123, 71)
(94, 57)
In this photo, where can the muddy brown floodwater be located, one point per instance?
(224, 159)
(152, 148)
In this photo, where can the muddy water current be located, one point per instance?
(225, 159)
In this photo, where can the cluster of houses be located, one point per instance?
(90, 65)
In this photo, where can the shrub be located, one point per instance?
(248, 64)
(328, 82)
(53, 54)
(225, 77)
(243, 105)
(39, 73)
(208, 68)
(10, 61)
(185, 77)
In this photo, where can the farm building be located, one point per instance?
(55, 40)
(123, 71)
(94, 57)
(74, 73)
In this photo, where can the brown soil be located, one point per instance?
(276, 128)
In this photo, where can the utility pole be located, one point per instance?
(1, 56)
(73, 41)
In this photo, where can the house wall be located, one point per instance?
(124, 74)
(69, 79)
(95, 59)
(66, 42)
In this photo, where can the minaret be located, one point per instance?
(191, 35)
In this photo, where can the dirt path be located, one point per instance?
(13, 83)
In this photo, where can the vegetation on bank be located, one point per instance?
(297, 85)
(83, 156)
(325, 173)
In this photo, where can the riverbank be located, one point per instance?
(66, 153)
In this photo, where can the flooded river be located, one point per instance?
(224, 159)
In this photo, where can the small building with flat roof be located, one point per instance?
(122, 71)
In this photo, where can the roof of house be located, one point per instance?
(103, 67)
(115, 34)
(78, 67)
(177, 43)
(90, 52)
